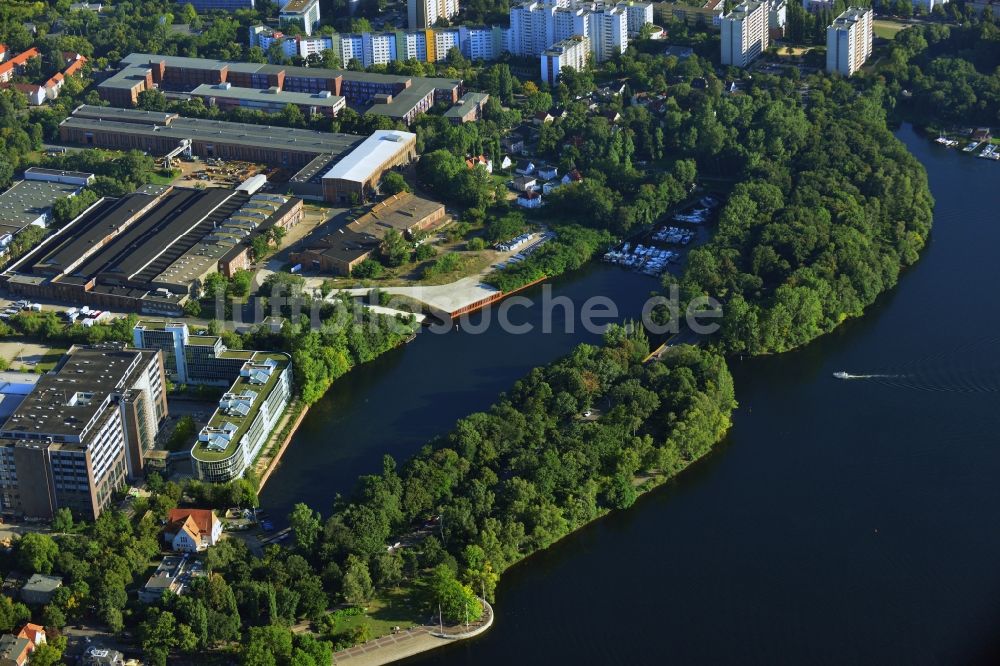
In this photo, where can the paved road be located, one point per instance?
(81, 637)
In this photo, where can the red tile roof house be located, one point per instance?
(12, 66)
(480, 160)
(55, 84)
(192, 530)
(33, 632)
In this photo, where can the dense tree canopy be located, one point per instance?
(951, 73)
(809, 241)
(517, 478)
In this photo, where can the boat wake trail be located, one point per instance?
(970, 368)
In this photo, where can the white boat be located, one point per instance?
(840, 374)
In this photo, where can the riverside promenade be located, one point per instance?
(409, 642)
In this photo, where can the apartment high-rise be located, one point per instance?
(569, 21)
(304, 13)
(531, 28)
(425, 13)
(745, 33)
(639, 14)
(572, 52)
(608, 31)
(849, 41)
(81, 432)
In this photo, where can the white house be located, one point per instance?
(525, 168)
(192, 530)
(35, 92)
(548, 172)
(529, 200)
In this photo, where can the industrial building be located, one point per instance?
(315, 155)
(29, 202)
(269, 100)
(849, 41)
(398, 97)
(357, 174)
(159, 133)
(149, 251)
(82, 430)
(338, 251)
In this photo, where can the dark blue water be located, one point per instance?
(840, 522)
(398, 402)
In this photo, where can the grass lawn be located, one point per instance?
(886, 28)
(45, 363)
(158, 178)
(48, 362)
(392, 609)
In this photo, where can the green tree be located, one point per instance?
(53, 616)
(306, 526)
(394, 183)
(268, 646)
(152, 100)
(49, 653)
(62, 521)
(12, 614)
(357, 583)
(457, 601)
(37, 553)
(188, 14)
(395, 249)
(259, 246)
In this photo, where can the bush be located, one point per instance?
(424, 252)
(394, 183)
(476, 244)
(367, 269)
(506, 227)
(446, 263)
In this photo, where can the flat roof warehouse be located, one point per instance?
(318, 156)
(28, 202)
(374, 151)
(173, 126)
(148, 251)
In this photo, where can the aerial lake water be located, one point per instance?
(842, 521)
